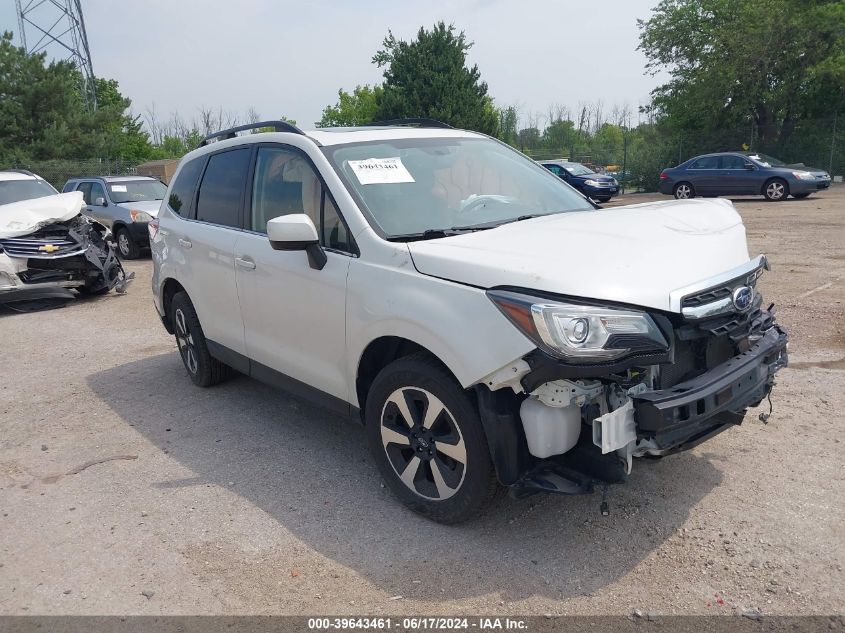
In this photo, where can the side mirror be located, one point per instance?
(100, 202)
(749, 166)
(296, 232)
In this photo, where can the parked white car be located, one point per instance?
(484, 320)
(46, 244)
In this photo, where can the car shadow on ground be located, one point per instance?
(311, 472)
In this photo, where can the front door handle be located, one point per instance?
(245, 263)
(185, 243)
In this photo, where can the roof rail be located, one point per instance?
(278, 126)
(26, 172)
(421, 122)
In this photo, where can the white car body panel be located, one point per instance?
(293, 315)
(27, 216)
(386, 296)
(636, 254)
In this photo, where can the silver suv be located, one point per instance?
(124, 204)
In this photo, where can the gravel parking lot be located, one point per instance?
(126, 490)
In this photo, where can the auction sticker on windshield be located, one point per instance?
(118, 188)
(380, 171)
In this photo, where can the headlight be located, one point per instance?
(140, 216)
(591, 183)
(580, 333)
(803, 175)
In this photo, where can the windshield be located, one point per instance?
(136, 190)
(577, 169)
(766, 161)
(413, 186)
(17, 190)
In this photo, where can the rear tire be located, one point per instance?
(683, 191)
(203, 369)
(126, 246)
(776, 190)
(437, 462)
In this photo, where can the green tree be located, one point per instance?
(429, 77)
(770, 63)
(43, 117)
(357, 108)
(509, 125)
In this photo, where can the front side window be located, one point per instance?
(17, 190)
(97, 193)
(136, 190)
(219, 197)
(413, 187)
(286, 183)
(732, 162)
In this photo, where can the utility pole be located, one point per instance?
(832, 145)
(58, 25)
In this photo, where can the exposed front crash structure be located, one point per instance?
(577, 426)
(46, 244)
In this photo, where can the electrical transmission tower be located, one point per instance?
(58, 25)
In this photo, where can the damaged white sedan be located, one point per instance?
(46, 244)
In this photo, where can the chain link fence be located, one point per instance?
(58, 172)
(640, 154)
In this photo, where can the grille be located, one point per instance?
(722, 291)
(41, 247)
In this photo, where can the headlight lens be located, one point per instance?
(803, 175)
(591, 183)
(140, 216)
(580, 333)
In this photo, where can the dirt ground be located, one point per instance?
(126, 490)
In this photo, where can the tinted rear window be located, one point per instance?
(184, 187)
(219, 197)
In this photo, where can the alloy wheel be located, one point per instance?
(123, 244)
(423, 443)
(682, 192)
(185, 341)
(775, 190)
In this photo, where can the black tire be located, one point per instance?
(459, 490)
(127, 248)
(800, 196)
(202, 368)
(776, 190)
(683, 191)
(603, 200)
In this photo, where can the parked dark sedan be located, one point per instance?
(596, 186)
(742, 174)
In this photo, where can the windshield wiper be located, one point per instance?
(430, 234)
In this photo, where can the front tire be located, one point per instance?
(203, 369)
(683, 191)
(126, 246)
(776, 190)
(427, 440)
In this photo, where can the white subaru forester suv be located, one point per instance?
(486, 322)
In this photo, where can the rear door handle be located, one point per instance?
(185, 243)
(245, 263)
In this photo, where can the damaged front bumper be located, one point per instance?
(72, 254)
(678, 418)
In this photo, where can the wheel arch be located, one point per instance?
(168, 290)
(771, 179)
(379, 353)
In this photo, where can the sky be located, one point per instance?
(290, 58)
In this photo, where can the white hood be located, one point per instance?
(636, 254)
(27, 216)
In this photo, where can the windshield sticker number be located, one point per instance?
(119, 188)
(380, 171)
